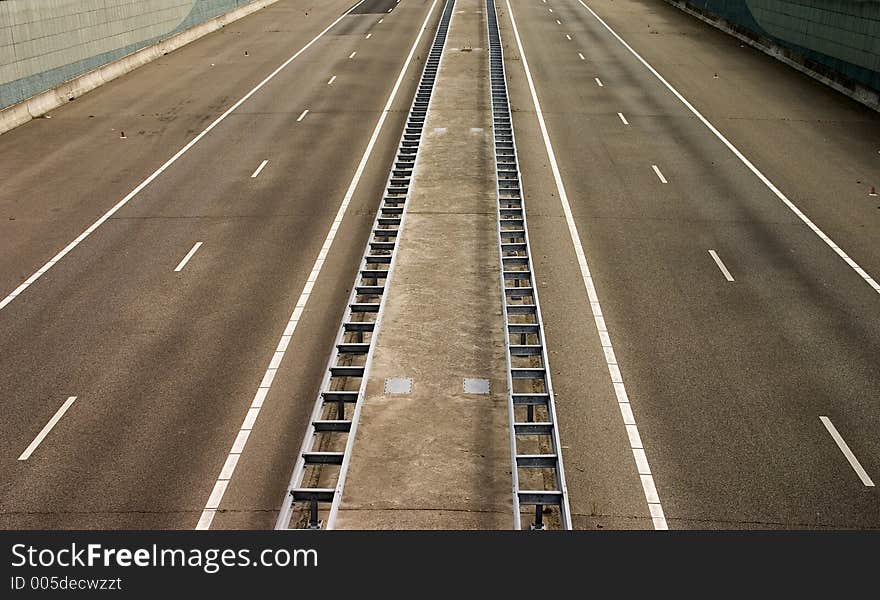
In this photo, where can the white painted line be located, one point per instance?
(302, 115)
(806, 220)
(721, 266)
(623, 119)
(582, 56)
(550, 9)
(332, 79)
(558, 22)
(369, 35)
(652, 497)
(45, 431)
(382, 19)
(352, 54)
(659, 174)
(259, 169)
(188, 256)
(844, 447)
(599, 82)
(213, 503)
(15, 293)
(568, 37)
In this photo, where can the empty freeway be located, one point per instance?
(674, 227)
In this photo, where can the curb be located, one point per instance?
(837, 81)
(38, 105)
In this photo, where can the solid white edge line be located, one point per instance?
(223, 479)
(721, 265)
(806, 220)
(15, 293)
(259, 169)
(302, 115)
(186, 258)
(659, 174)
(623, 119)
(652, 497)
(844, 447)
(45, 431)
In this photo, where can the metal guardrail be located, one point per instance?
(321, 467)
(536, 451)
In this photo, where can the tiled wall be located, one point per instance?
(46, 42)
(835, 37)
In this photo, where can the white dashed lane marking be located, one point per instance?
(844, 447)
(259, 169)
(45, 431)
(721, 265)
(188, 256)
(659, 174)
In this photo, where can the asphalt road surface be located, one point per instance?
(727, 379)
(165, 363)
(735, 325)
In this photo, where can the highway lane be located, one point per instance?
(172, 99)
(765, 117)
(165, 363)
(727, 379)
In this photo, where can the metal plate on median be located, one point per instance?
(398, 385)
(473, 385)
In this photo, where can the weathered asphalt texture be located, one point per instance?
(165, 364)
(727, 379)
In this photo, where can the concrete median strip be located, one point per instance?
(436, 456)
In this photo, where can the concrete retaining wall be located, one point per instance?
(54, 50)
(835, 41)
